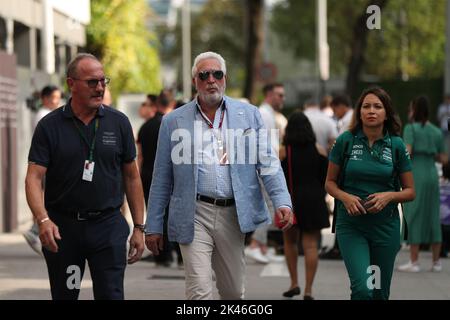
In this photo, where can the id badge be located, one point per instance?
(224, 160)
(88, 171)
(222, 156)
(221, 152)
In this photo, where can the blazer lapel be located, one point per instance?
(236, 117)
(236, 120)
(186, 120)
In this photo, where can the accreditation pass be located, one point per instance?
(88, 171)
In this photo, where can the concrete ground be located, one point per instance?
(23, 275)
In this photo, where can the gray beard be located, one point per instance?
(213, 98)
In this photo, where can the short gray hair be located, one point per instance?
(209, 55)
(73, 64)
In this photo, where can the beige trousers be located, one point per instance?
(218, 245)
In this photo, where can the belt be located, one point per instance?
(216, 202)
(90, 214)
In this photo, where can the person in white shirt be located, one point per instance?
(272, 117)
(271, 107)
(325, 105)
(323, 126)
(343, 112)
(50, 99)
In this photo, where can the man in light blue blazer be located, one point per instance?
(209, 156)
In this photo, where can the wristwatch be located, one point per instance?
(140, 227)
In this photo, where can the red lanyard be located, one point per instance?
(208, 122)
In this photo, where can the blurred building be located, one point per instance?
(37, 40)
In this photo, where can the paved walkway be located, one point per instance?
(23, 275)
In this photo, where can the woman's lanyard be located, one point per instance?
(88, 170)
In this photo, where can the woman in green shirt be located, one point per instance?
(426, 145)
(365, 165)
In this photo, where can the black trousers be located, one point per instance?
(102, 242)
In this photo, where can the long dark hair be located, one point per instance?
(298, 130)
(392, 123)
(420, 107)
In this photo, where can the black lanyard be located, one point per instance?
(92, 144)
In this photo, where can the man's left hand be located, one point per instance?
(285, 214)
(136, 246)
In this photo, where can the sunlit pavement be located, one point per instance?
(23, 275)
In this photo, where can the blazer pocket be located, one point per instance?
(258, 206)
(260, 216)
(247, 131)
(175, 205)
(253, 186)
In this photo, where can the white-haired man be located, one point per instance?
(214, 200)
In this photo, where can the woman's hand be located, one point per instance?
(378, 201)
(353, 205)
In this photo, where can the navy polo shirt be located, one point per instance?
(58, 145)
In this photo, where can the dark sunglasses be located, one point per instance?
(92, 83)
(217, 74)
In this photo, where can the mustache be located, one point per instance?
(98, 95)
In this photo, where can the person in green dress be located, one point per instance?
(365, 165)
(426, 145)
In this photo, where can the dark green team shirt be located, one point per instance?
(426, 139)
(369, 170)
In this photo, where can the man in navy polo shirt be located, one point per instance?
(86, 153)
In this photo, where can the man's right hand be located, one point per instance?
(49, 233)
(154, 243)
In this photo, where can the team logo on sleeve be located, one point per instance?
(407, 154)
(334, 144)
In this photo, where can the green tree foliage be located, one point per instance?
(218, 27)
(410, 42)
(118, 36)
(294, 22)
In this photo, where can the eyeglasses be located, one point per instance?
(92, 83)
(217, 74)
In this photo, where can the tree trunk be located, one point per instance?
(358, 47)
(255, 20)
